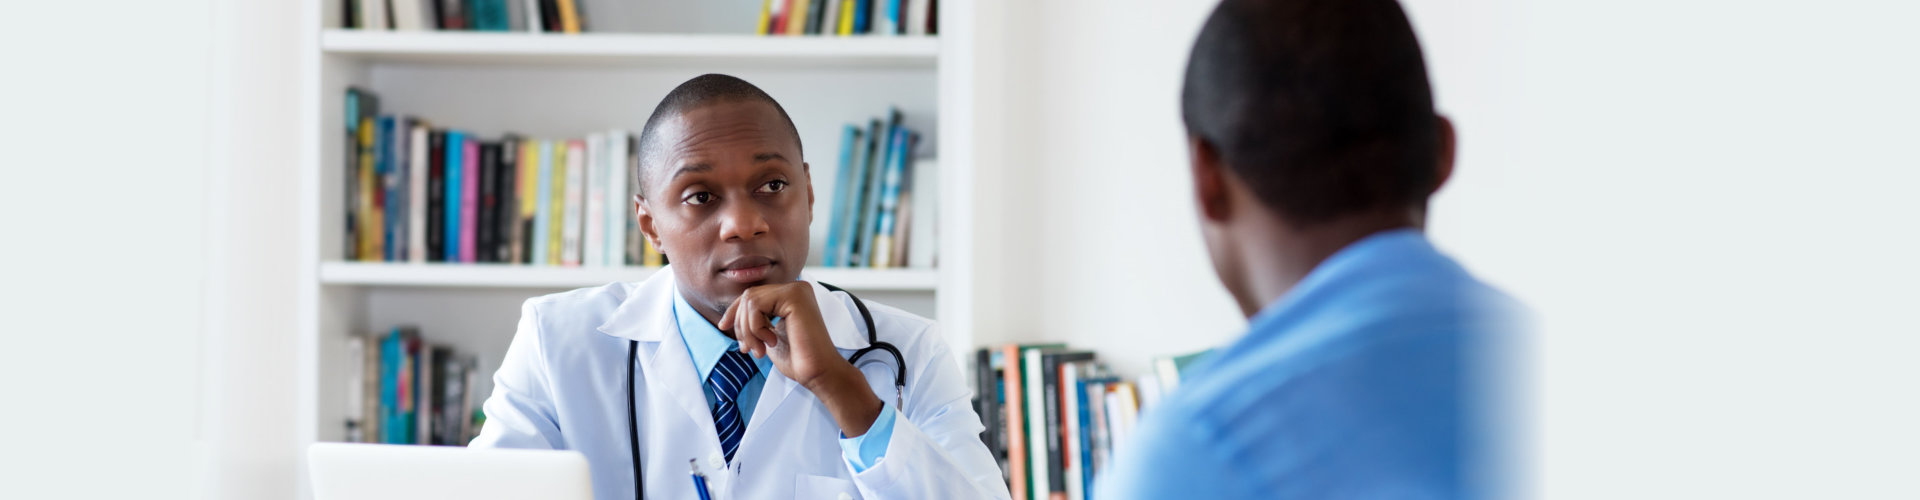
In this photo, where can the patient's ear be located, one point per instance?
(1209, 179)
(1444, 158)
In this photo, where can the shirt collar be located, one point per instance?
(704, 342)
(1382, 251)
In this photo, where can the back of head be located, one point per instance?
(1321, 107)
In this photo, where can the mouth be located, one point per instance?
(748, 269)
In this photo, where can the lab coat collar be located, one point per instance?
(647, 314)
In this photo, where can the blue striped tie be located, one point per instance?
(729, 376)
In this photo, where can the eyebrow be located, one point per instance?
(694, 168)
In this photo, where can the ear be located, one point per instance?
(645, 220)
(808, 169)
(1443, 169)
(1209, 179)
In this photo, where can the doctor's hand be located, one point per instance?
(801, 349)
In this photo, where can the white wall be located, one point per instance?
(106, 128)
(1710, 204)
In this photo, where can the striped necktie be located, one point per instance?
(728, 377)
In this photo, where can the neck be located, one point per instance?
(1276, 260)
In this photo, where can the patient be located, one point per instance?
(1314, 147)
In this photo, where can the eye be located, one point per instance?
(773, 186)
(700, 198)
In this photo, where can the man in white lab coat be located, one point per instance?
(764, 408)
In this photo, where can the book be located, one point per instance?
(902, 211)
(422, 394)
(829, 20)
(373, 14)
(489, 204)
(1051, 364)
(797, 17)
(573, 215)
(593, 229)
(488, 15)
(531, 13)
(453, 14)
(350, 238)
(369, 221)
(417, 169)
(1038, 433)
(528, 200)
(845, 23)
(356, 389)
(394, 157)
(550, 16)
(1074, 457)
(862, 17)
(469, 195)
(557, 216)
(842, 193)
(889, 19)
(636, 243)
(454, 168)
(860, 247)
(1015, 400)
(436, 227)
(569, 16)
(370, 412)
(619, 207)
(816, 11)
(412, 15)
(885, 213)
(507, 208)
(543, 204)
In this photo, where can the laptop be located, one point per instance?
(353, 471)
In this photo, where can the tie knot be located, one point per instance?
(731, 374)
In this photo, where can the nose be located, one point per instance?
(742, 221)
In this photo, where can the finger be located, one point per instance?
(761, 329)
(726, 318)
(743, 327)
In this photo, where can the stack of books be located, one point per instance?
(417, 193)
(849, 17)
(883, 206)
(1054, 415)
(410, 392)
(538, 16)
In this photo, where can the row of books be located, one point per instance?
(878, 221)
(416, 193)
(411, 392)
(849, 17)
(1054, 415)
(539, 16)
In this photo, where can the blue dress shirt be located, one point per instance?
(705, 343)
(1363, 381)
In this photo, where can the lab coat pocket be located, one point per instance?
(811, 487)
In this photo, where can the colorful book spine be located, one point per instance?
(350, 237)
(842, 192)
(882, 254)
(618, 206)
(417, 168)
(436, 227)
(575, 215)
(455, 187)
(593, 244)
(558, 211)
(485, 221)
(528, 200)
(543, 203)
(469, 197)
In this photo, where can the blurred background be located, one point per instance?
(1708, 204)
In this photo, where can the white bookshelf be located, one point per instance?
(565, 86)
(514, 276)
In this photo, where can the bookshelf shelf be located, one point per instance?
(511, 276)
(631, 48)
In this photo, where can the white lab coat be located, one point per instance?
(561, 387)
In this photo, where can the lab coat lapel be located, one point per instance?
(647, 316)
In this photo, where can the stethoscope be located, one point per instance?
(873, 343)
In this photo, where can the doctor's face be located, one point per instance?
(728, 200)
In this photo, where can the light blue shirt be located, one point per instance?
(1363, 381)
(705, 343)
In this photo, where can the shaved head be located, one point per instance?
(704, 90)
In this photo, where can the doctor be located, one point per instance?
(764, 409)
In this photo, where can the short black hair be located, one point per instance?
(1321, 106)
(707, 89)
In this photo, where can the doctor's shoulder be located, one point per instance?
(573, 317)
(911, 332)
